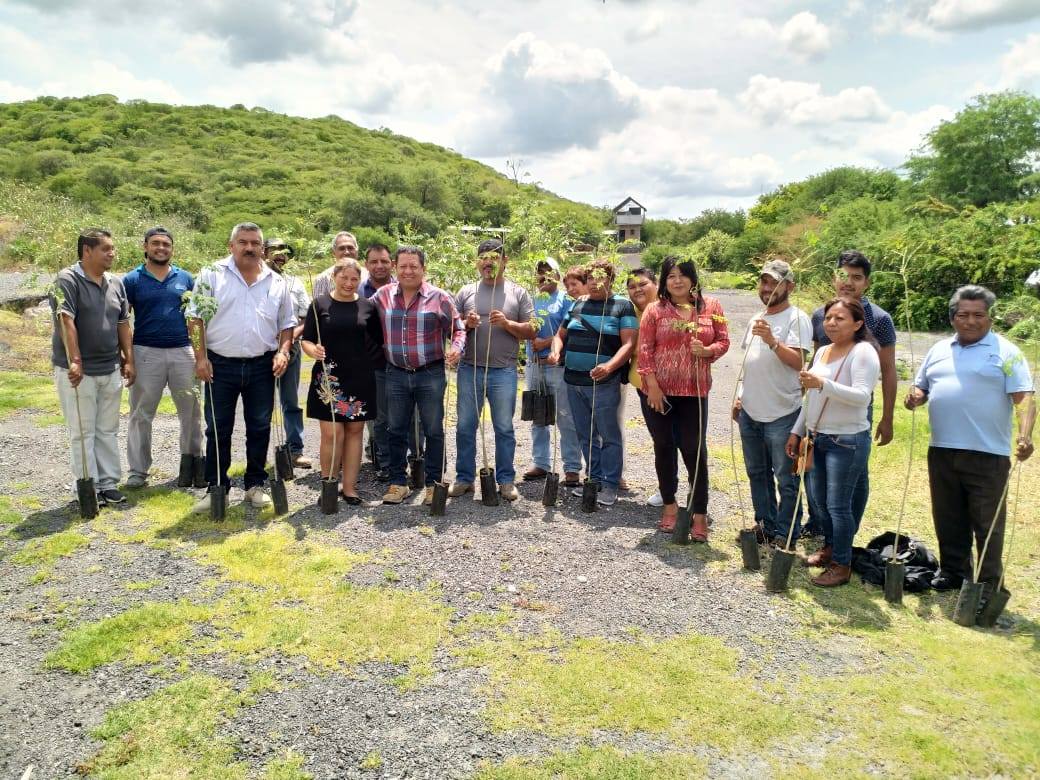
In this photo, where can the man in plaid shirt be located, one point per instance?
(418, 319)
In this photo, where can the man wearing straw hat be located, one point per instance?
(769, 398)
(970, 382)
(91, 348)
(498, 315)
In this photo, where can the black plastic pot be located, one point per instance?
(681, 530)
(967, 609)
(551, 490)
(488, 488)
(279, 496)
(993, 608)
(440, 499)
(589, 494)
(527, 405)
(779, 571)
(198, 466)
(417, 473)
(186, 472)
(895, 574)
(550, 409)
(217, 502)
(329, 500)
(283, 462)
(86, 494)
(749, 549)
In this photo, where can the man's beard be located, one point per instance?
(157, 261)
(777, 298)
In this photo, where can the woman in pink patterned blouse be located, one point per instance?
(680, 335)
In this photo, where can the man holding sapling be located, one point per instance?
(971, 382)
(241, 351)
(164, 358)
(92, 354)
(852, 280)
(498, 315)
(277, 253)
(769, 399)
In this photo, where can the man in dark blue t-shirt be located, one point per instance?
(851, 280)
(164, 359)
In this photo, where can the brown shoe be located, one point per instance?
(301, 461)
(833, 575)
(534, 473)
(571, 479)
(821, 557)
(395, 494)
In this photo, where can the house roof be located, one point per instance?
(627, 200)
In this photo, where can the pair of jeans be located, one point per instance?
(93, 423)
(838, 462)
(769, 472)
(157, 369)
(598, 417)
(406, 391)
(292, 414)
(379, 428)
(501, 397)
(683, 427)
(860, 494)
(252, 380)
(546, 378)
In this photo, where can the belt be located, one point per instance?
(427, 366)
(266, 356)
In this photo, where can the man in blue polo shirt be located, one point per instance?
(164, 359)
(970, 383)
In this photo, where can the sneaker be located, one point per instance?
(944, 581)
(383, 475)
(112, 496)
(655, 499)
(508, 491)
(258, 498)
(395, 494)
(301, 461)
(136, 481)
(460, 489)
(607, 496)
(578, 491)
(427, 496)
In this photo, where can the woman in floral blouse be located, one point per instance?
(680, 335)
(344, 336)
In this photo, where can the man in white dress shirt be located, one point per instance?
(240, 352)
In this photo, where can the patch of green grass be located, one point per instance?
(141, 584)
(18, 487)
(45, 550)
(602, 763)
(48, 420)
(289, 767)
(8, 514)
(371, 761)
(687, 688)
(20, 391)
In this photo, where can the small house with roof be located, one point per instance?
(629, 216)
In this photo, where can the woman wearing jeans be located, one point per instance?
(840, 386)
(680, 335)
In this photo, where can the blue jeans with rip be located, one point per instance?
(289, 390)
(252, 380)
(405, 391)
(550, 378)
(838, 462)
(501, 397)
(604, 466)
(769, 472)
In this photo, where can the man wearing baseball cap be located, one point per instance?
(770, 397)
(164, 359)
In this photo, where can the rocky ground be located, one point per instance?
(604, 574)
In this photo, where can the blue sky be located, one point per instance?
(684, 105)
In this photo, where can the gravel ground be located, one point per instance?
(582, 574)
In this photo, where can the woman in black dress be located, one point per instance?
(345, 337)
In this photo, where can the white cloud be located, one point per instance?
(803, 35)
(14, 93)
(802, 103)
(890, 144)
(977, 14)
(1020, 67)
(650, 26)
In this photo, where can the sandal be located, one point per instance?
(667, 522)
(699, 531)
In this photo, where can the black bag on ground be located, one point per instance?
(921, 565)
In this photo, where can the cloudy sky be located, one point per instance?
(684, 105)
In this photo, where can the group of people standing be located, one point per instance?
(383, 337)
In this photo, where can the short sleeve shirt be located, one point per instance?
(594, 337)
(878, 321)
(509, 298)
(97, 310)
(551, 311)
(771, 389)
(158, 318)
(969, 387)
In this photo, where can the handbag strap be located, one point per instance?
(837, 373)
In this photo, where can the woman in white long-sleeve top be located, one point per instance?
(840, 387)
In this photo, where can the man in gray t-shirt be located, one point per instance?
(498, 315)
(92, 354)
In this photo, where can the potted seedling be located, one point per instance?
(86, 491)
(998, 597)
(780, 566)
(199, 307)
(279, 496)
(488, 487)
(438, 506)
(590, 487)
(551, 489)
(329, 501)
(417, 463)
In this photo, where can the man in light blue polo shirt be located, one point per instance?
(971, 383)
(164, 359)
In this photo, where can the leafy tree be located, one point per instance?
(989, 152)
